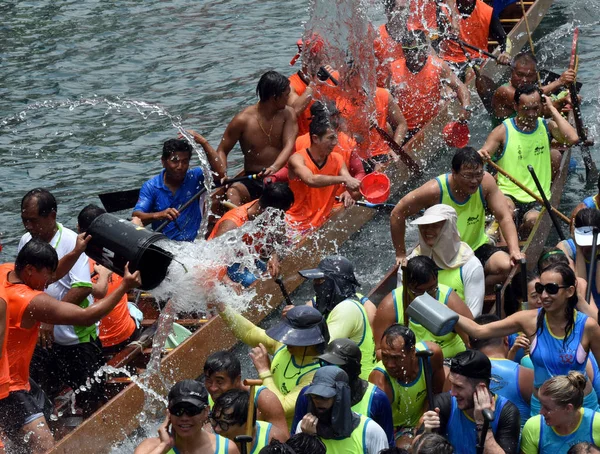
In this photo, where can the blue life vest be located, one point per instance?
(505, 383)
(550, 441)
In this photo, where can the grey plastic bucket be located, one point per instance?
(436, 317)
(117, 241)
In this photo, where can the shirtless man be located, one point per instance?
(266, 132)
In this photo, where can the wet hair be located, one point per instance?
(319, 123)
(394, 450)
(467, 156)
(277, 447)
(271, 85)
(478, 344)
(432, 443)
(569, 279)
(525, 57)
(526, 89)
(550, 256)
(37, 253)
(175, 146)
(583, 447)
(587, 217)
(223, 360)
(303, 443)
(277, 195)
(237, 400)
(532, 276)
(565, 389)
(420, 270)
(87, 216)
(46, 203)
(395, 331)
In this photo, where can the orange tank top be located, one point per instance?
(304, 118)
(117, 326)
(473, 30)
(387, 50)
(4, 364)
(346, 145)
(312, 206)
(418, 95)
(21, 341)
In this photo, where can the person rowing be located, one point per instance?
(592, 201)
(470, 191)
(388, 43)
(421, 277)
(523, 141)
(266, 133)
(561, 337)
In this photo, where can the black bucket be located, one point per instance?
(117, 241)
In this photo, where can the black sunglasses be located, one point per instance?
(190, 410)
(551, 288)
(223, 424)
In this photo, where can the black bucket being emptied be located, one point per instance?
(117, 241)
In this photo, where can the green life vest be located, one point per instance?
(363, 407)
(222, 446)
(451, 344)
(355, 443)
(471, 213)
(520, 150)
(366, 343)
(453, 279)
(263, 429)
(408, 398)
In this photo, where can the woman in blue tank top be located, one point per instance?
(561, 337)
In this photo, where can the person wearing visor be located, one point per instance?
(294, 344)
(458, 414)
(421, 278)
(416, 83)
(401, 375)
(366, 398)
(182, 430)
(344, 310)
(331, 417)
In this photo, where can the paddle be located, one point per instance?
(284, 291)
(591, 171)
(488, 417)
(527, 190)
(202, 191)
(424, 356)
(476, 49)
(592, 271)
(375, 206)
(404, 156)
(549, 208)
(498, 291)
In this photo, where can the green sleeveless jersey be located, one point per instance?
(222, 446)
(520, 150)
(263, 430)
(366, 343)
(451, 344)
(453, 279)
(471, 213)
(356, 442)
(364, 406)
(408, 398)
(286, 373)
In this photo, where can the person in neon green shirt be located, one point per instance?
(182, 431)
(294, 344)
(562, 421)
(525, 140)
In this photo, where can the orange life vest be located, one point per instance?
(4, 364)
(418, 95)
(387, 50)
(117, 326)
(312, 206)
(473, 30)
(304, 118)
(21, 341)
(346, 145)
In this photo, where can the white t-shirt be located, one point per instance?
(79, 276)
(375, 437)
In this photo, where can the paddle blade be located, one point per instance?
(456, 134)
(119, 201)
(375, 187)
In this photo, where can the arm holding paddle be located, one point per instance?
(560, 127)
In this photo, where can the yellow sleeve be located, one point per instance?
(248, 332)
(530, 437)
(288, 401)
(345, 321)
(596, 429)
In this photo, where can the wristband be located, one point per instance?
(264, 375)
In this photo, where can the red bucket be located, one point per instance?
(375, 187)
(456, 134)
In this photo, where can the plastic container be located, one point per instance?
(117, 241)
(177, 336)
(436, 317)
(456, 134)
(375, 187)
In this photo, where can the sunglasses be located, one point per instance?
(223, 424)
(551, 288)
(190, 410)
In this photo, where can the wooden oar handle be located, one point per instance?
(253, 382)
(526, 189)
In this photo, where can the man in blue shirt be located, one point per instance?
(162, 196)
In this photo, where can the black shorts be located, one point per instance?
(485, 251)
(522, 208)
(23, 407)
(254, 187)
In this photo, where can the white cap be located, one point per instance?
(435, 213)
(584, 236)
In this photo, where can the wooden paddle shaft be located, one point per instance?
(526, 189)
(253, 383)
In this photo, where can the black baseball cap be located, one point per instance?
(472, 364)
(342, 351)
(334, 265)
(190, 392)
